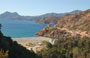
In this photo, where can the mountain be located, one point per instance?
(75, 25)
(60, 14)
(75, 11)
(48, 16)
(52, 18)
(9, 15)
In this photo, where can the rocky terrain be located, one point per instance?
(81, 21)
(75, 25)
(53, 32)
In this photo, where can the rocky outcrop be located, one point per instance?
(53, 32)
(69, 26)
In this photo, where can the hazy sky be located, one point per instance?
(38, 7)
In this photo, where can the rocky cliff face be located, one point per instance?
(78, 24)
(53, 32)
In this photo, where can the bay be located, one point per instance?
(20, 28)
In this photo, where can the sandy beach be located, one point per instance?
(34, 40)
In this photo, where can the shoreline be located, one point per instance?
(34, 40)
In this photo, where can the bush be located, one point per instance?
(68, 47)
(3, 54)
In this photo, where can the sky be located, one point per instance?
(39, 7)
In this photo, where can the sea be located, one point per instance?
(20, 28)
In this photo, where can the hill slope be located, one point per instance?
(81, 21)
(78, 24)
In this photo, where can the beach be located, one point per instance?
(33, 40)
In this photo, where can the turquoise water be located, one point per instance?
(20, 28)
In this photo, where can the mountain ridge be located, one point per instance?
(16, 16)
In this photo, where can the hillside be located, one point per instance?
(78, 24)
(48, 20)
(81, 21)
(68, 47)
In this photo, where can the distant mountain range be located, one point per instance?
(52, 18)
(16, 16)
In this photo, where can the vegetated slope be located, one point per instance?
(81, 21)
(68, 47)
(75, 25)
(14, 49)
(48, 20)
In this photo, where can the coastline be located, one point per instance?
(34, 40)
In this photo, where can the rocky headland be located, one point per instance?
(73, 25)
